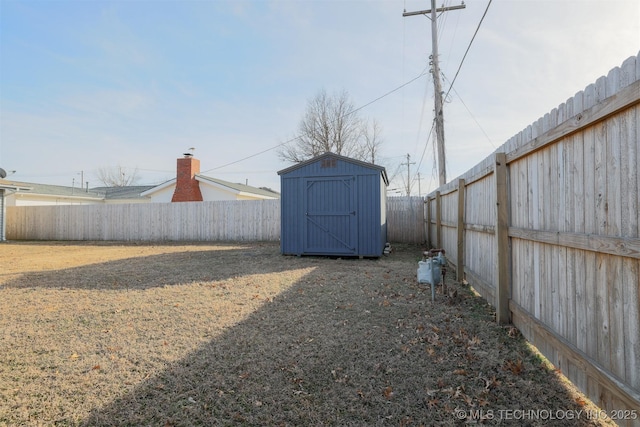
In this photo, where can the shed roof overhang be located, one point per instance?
(382, 170)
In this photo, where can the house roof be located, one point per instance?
(229, 186)
(128, 192)
(97, 193)
(52, 190)
(339, 157)
(6, 185)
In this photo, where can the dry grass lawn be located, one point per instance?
(236, 334)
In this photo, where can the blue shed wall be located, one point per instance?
(369, 191)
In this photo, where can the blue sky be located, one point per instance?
(86, 85)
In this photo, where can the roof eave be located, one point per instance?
(339, 157)
(14, 187)
(58, 196)
(159, 187)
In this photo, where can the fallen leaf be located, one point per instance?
(475, 341)
(491, 383)
(460, 372)
(515, 367)
(388, 392)
(406, 421)
(581, 401)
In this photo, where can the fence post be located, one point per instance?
(503, 256)
(427, 202)
(3, 215)
(438, 221)
(460, 264)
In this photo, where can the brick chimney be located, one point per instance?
(187, 187)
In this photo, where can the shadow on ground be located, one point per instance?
(149, 271)
(356, 342)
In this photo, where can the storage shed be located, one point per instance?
(333, 205)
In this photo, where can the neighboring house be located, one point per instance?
(6, 187)
(190, 186)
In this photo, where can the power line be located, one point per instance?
(424, 103)
(468, 47)
(426, 145)
(345, 115)
(471, 114)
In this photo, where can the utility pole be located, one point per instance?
(439, 117)
(409, 163)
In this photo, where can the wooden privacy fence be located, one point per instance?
(196, 221)
(546, 229)
(405, 220)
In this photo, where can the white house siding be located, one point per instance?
(210, 193)
(23, 199)
(163, 196)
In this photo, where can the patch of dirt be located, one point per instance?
(225, 334)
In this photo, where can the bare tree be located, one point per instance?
(331, 124)
(371, 138)
(117, 177)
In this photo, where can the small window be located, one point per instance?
(328, 163)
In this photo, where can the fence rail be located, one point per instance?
(547, 230)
